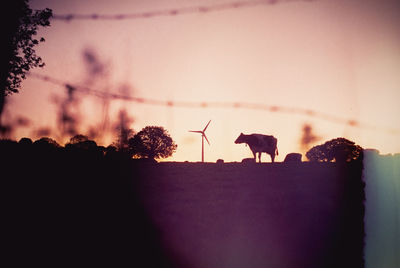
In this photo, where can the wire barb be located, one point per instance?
(170, 12)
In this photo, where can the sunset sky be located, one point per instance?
(334, 57)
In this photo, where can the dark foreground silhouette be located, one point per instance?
(74, 208)
(88, 207)
(259, 215)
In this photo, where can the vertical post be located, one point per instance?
(202, 148)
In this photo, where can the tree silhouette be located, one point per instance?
(318, 153)
(152, 142)
(46, 147)
(25, 141)
(18, 56)
(78, 138)
(339, 149)
(80, 147)
(47, 140)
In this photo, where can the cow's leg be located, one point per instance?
(259, 157)
(272, 158)
(254, 155)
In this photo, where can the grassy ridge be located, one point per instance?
(82, 208)
(258, 215)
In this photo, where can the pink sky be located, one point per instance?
(336, 57)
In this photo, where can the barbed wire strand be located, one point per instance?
(223, 105)
(170, 12)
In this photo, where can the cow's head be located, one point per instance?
(240, 139)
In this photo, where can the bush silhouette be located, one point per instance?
(47, 142)
(318, 153)
(81, 142)
(25, 141)
(339, 149)
(152, 142)
(78, 138)
(46, 147)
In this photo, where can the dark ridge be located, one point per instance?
(88, 206)
(74, 208)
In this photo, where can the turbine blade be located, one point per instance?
(204, 135)
(206, 126)
(198, 131)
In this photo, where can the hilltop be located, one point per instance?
(96, 209)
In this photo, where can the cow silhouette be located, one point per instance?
(260, 143)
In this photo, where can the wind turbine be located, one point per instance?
(203, 136)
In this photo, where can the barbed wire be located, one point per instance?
(170, 12)
(216, 104)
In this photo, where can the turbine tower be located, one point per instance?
(203, 136)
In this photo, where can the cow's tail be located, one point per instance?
(276, 150)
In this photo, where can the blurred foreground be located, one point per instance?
(85, 209)
(258, 215)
